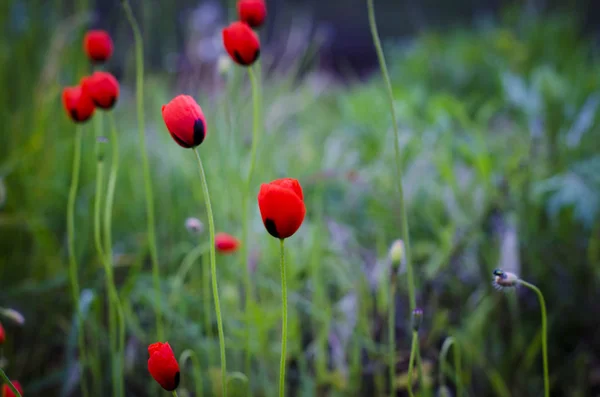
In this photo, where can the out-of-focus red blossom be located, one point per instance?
(78, 105)
(241, 43)
(2, 334)
(226, 243)
(253, 12)
(7, 391)
(98, 45)
(163, 365)
(185, 121)
(281, 205)
(103, 88)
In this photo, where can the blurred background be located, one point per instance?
(498, 105)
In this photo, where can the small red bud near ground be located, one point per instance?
(6, 391)
(163, 365)
(226, 243)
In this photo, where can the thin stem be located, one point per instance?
(213, 269)
(411, 361)
(457, 364)
(248, 280)
(175, 393)
(392, 333)
(9, 383)
(284, 312)
(139, 61)
(73, 268)
(197, 369)
(544, 334)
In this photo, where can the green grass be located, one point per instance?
(499, 141)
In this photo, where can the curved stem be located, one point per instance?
(9, 383)
(284, 312)
(213, 269)
(139, 61)
(392, 333)
(196, 368)
(457, 364)
(411, 361)
(73, 268)
(544, 334)
(245, 244)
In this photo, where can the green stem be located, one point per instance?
(413, 349)
(73, 268)
(284, 312)
(119, 343)
(9, 383)
(457, 364)
(213, 269)
(248, 279)
(175, 393)
(197, 369)
(544, 334)
(392, 333)
(139, 61)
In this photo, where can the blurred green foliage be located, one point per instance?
(500, 145)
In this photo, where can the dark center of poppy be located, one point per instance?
(74, 115)
(181, 142)
(270, 225)
(176, 380)
(199, 132)
(239, 58)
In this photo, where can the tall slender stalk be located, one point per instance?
(411, 361)
(457, 365)
(139, 61)
(213, 269)
(9, 383)
(73, 269)
(248, 281)
(392, 331)
(284, 316)
(544, 333)
(404, 231)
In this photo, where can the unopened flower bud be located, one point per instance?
(224, 65)
(396, 253)
(13, 315)
(504, 279)
(417, 319)
(194, 225)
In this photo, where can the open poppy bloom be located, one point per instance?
(185, 121)
(2, 335)
(103, 88)
(281, 205)
(253, 12)
(163, 365)
(7, 391)
(226, 243)
(241, 43)
(77, 103)
(98, 45)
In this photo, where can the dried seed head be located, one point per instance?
(194, 225)
(13, 315)
(417, 319)
(504, 279)
(396, 253)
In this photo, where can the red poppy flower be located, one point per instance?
(226, 243)
(281, 205)
(7, 391)
(241, 43)
(77, 103)
(98, 45)
(103, 88)
(185, 121)
(253, 12)
(163, 365)
(2, 334)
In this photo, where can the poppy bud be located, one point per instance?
(77, 103)
(2, 334)
(281, 205)
(103, 88)
(226, 243)
(194, 225)
(7, 391)
(241, 43)
(417, 319)
(163, 365)
(98, 45)
(185, 121)
(396, 253)
(253, 12)
(13, 315)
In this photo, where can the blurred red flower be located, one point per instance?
(185, 121)
(253, 12)
(241, 43)
(7, 391)
(163, 365)
(98, 45)
(2, 334)
(226, 243)
(281, 205)
(77, 103)
(103, 88)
